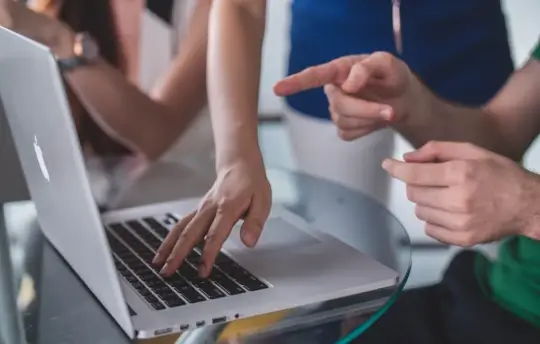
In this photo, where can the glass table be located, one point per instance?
(55, 306)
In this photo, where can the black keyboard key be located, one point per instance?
(174, 301)
(223, 259)
(209, 289)
(251, 283)
(228, 285)
(194, 257)
(157, 306)
(235, 271)
(190, 294)
(187, 271)
(131, 279)
(137, 285)
(157, 227)
(148, 277)
(145, 292)
(172, 217)
(149, 238)
(160, 288)
(154, 283)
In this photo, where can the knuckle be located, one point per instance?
(468, 240)
(206, 203)
(184, 236)
(344, 135)
(431, 146)
(412, 194)
(224, 205)
(386, 58)
(419, 212)
(211, 239)
(464, 224)
(332, 107)
(462, 170)
(465, 201)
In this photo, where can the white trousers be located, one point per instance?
(318, 151)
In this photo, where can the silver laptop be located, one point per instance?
(291, 266)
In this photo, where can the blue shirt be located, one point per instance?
(459, 48)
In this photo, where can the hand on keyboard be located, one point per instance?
(239, 192)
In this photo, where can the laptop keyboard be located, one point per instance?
(134, 244)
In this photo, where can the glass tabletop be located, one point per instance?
(55, 306)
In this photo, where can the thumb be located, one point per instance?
(439, 151)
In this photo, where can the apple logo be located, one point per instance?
(41, 160)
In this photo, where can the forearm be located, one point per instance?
(432, 118)
(122, 110)
(234, 64)
(149, 123)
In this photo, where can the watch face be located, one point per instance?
(86, 47)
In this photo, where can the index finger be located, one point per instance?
(421, 174)
(335, 71)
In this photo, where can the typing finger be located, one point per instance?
(218, 233)
(168, 244)
(192, 234)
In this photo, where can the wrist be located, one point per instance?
(530, 207)
(246, 154)
(61, 41)
(416, 104)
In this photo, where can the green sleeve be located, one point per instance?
(536, 52)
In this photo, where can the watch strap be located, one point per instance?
(70, 63)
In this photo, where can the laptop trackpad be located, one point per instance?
(278, 234)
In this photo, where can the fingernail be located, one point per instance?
(386, 113)
(202, 271)
(157, 259)
(386, 164)
(251, 239)
(164, 269)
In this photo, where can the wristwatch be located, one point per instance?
(85, 51)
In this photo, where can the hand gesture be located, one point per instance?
(241, 191)
(468, 195)
(365, 92)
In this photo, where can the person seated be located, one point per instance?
(468, 186)
(112, 114)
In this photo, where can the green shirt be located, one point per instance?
(513, 280)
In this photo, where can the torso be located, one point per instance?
(458, 47)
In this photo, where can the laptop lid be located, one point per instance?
(36, 106)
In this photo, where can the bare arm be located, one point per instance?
(234, 61)
(149, 123)
(507, 124)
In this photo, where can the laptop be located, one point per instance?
(292, 265)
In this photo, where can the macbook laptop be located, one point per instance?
(292, 265)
